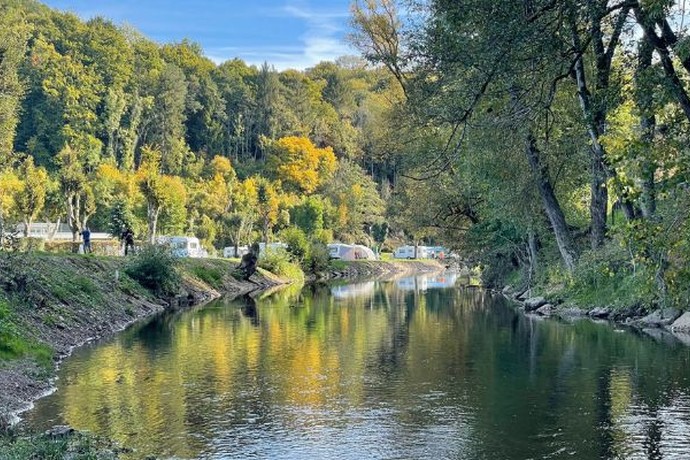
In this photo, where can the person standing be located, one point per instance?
(128, 238)
(86, 236)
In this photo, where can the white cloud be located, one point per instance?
(321, 40)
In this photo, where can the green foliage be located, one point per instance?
(209, 275)
(121, 217)
(14, 344)
(155, 268)
(76, 446)
(310, 214)
(297, 243)
(279, 263)
(318, 259)
(608, 277)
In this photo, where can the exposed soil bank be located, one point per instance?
(668, 325)
(66, 301)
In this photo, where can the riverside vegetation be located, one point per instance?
(549, 146)
(535, 147)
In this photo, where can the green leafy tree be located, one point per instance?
(32, 197)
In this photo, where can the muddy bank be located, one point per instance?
(668, 325)
(63, 301)
(376, 269)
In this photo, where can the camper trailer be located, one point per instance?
(407, 252)
(183, 246)
(230, 251)
(342, 251)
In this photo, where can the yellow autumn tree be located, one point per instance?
(300, 165)
(10, 184)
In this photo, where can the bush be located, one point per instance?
(297, 243)
(278, 262)
(608, 277)
(318, 260)
(155, 268)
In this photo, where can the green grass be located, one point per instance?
(279, 264)
(75, 446)
(618, 291)
(338, 264)
(14, 344)
(210, 275)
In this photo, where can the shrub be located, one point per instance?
(297, 243)
(608, 277)
(155, 268)
(278, 262)
(318, 260)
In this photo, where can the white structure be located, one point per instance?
(271, 247)
(183, 246)
(342, 251)
(408, 252)
(50, 231)
(364, 252)
(230, 251)
(423, 252)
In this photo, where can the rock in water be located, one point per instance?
(682, 323)
(533, 303)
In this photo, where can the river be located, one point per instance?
(405, 369)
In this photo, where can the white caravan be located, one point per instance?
(183, 246)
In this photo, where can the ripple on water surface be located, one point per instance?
(380, 370)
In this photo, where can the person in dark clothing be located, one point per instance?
(86, 236)
(128, 238)
(247, 265)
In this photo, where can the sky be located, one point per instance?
(294, 34)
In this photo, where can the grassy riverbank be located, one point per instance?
(50, 304)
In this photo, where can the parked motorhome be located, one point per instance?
(408, 252)
(50, 231)
(183, 246)
(230, 251)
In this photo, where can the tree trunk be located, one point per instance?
(662, 47)
(647, 126)
(532, 252)
(265, 231)
(52, 230)
(551, 204)
(152, 218)
(598, 174)
(73, 205)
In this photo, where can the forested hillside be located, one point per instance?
(544, 140)
(105, 128)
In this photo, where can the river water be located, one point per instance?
(406, 369)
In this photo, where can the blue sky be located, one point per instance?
(285, 33)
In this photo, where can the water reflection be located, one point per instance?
(378, 370)
(432, 281)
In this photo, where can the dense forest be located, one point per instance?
(104, 128)
(544, 140)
